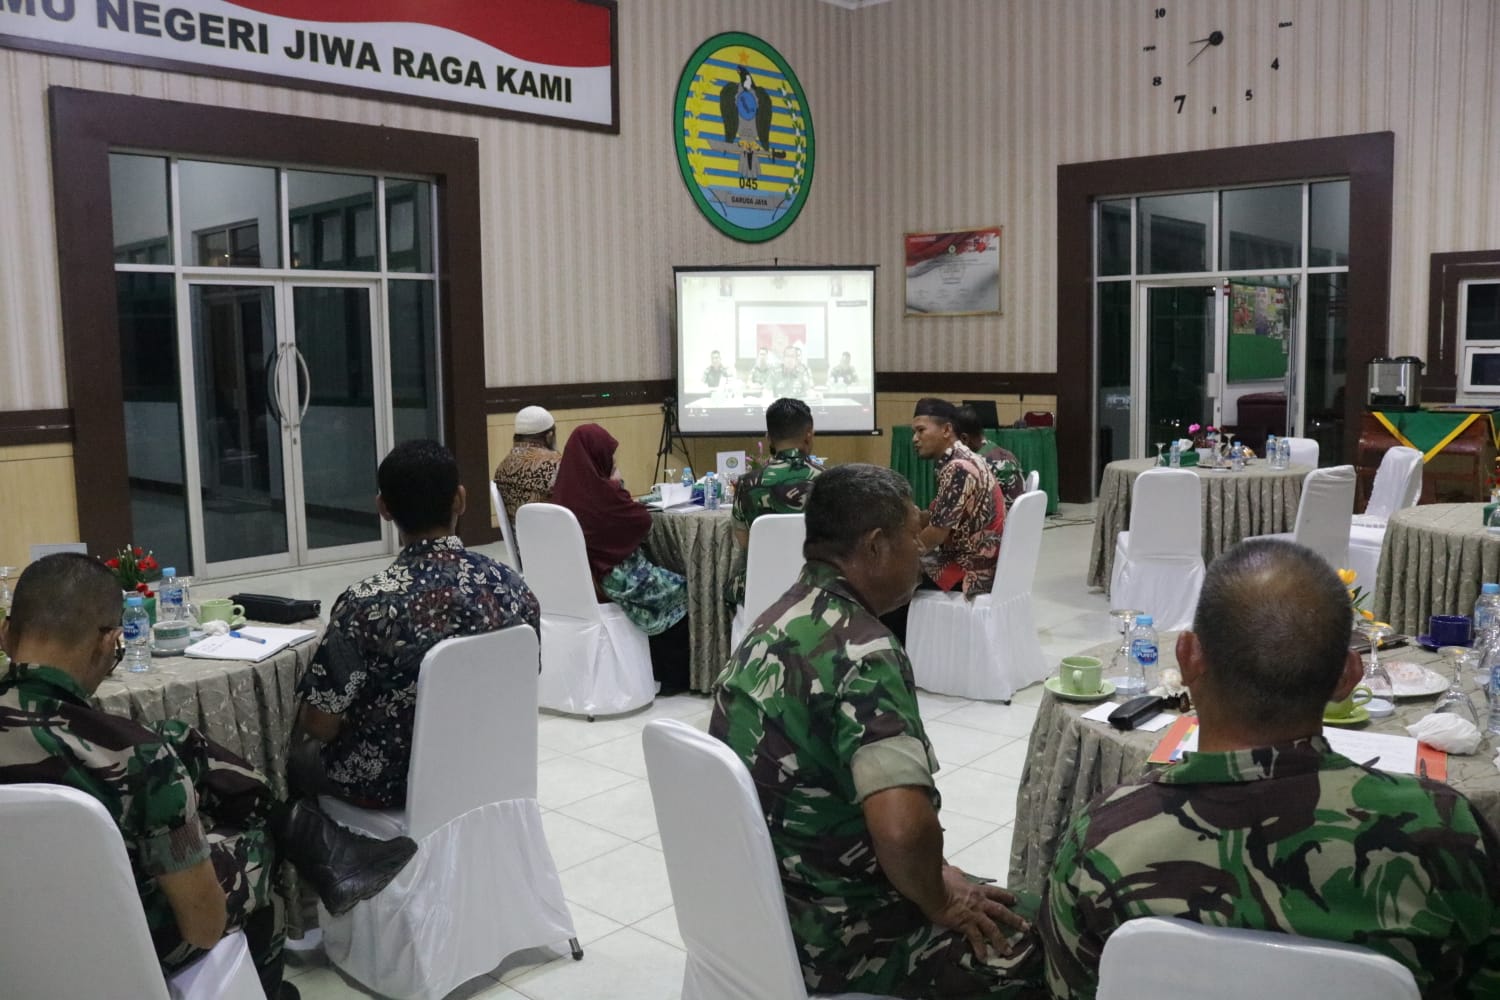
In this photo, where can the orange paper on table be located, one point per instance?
(1431, 762)
(1181, 737)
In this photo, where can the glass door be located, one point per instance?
(340, 424)
(1177, 336)
(286, 424)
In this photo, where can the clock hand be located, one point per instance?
(1204, 49)
(1214, 38)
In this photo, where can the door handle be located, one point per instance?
(273, 395)
(306, 375)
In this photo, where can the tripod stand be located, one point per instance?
(671, 439)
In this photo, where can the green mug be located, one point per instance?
(221, 609)
(1344, 709)
(1081, 674)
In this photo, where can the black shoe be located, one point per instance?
(343, 866)
(288, 992)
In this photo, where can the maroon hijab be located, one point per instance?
(613, 524)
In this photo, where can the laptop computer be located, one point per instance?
(986, 409)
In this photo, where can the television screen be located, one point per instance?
(748, 336)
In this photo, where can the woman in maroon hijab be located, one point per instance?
(614, 526)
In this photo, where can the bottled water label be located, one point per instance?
(1144, 651)
(135, 627)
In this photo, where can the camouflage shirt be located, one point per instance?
(801, 699)
(1007, 470)
(795, 383)
(780, 487)
(1291, 838)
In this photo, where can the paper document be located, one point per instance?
(227, 647)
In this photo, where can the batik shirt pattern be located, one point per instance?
(965, 505)
(1291, 838)
(526, 476)
(782, 486)
(653, 597)
(820, 679)
(178, 799)
(366, 667)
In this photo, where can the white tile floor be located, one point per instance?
(596, 805)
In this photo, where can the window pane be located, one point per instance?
(1328, 224)
(408, 219)
(229, 214)
(139, 204)
(414, 385)
(1327, 364)
(1114, 372)
(1114, 237)
(153, 416)
(1262, 228)
(1173, 232)
(326, 209)
(1482, 311)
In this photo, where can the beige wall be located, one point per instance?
(37, 502)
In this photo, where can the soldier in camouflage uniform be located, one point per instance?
(1265, 827)
(194, 817)
(819, 703)
(781, 487)
(792, 377)
(1009, 475)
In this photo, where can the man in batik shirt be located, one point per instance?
(359, 694)
(526, 474)
(196, 819)
(961, 527)
(819, 703)
(779, 487)
(1003, 463)
(1264, 826)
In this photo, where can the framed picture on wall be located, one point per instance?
(953, 273)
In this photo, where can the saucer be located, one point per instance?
(1430, 644)
(1354, 718)
(1106, 689)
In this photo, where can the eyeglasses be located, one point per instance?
(119, 642)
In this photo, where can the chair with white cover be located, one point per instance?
(730, 909)
(1159, 562)
(1398, 485)
(512, 556)
(595, 661)
(986, 648)
(1323, 514)
(76, 927)
(772, 564)
(482, 884)
(1304, 451)
(1147, 958)
(1033, 481)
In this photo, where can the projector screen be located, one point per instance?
(747, 336)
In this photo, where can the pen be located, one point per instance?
(248, 638)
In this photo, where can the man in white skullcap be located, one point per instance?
(527, 473)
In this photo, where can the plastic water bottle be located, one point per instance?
(1143, 657)
(137, 625)
(1271, 454)
(1237, 457)
(1176, 454)
(169, 596)
(687, 476)
(1486, 610)
(1284, 454)
(711, 491)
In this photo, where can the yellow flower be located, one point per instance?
(1347, 576)
(1369, 616)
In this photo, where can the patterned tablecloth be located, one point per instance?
(1259, 500)
(1069, 761)
(700, 545)
(1434, 558)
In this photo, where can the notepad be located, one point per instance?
(227, 647)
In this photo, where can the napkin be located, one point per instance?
(1446, 732)
(216, 627)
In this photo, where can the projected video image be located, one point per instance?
(749, 337)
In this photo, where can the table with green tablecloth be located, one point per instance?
(1070, 760)
(1432, 562)
(1035, 447)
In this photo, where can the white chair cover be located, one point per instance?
(1304, 451)
(1323, 515)
(986, 648)
(594, 659)
(730, 909)
(76, 928)
(1152, 957)
(1159, 561)
(771, 567)
(1398, 484)
(512, 555)
(483, 883)
(1033, 480)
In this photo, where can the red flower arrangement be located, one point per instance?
(136, 569)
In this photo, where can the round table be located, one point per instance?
(1258, 500)
(700, 545)
(1434, 558)
(1069, 761)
